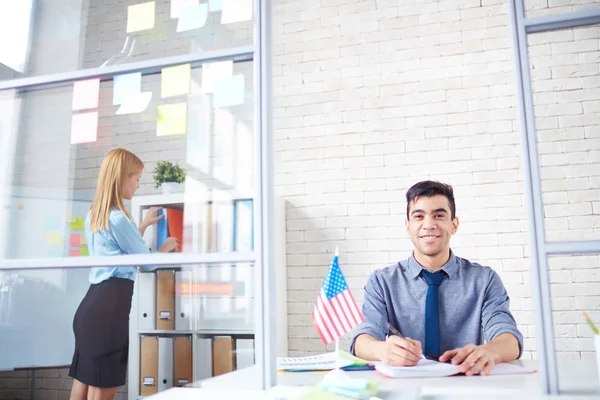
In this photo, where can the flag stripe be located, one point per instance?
(347, 311)
(327, 331)
(340, 312)
(325, 335)
(355, 311)
(327, 318)
(336, 322)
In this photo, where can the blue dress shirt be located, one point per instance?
(121, 237)
(473, 304)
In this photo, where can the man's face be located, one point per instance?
(430, 225)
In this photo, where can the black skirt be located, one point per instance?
(101, 326)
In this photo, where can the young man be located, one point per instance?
(458, 310)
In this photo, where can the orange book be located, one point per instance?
(175, 221)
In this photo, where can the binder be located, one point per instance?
(165, 300)
(148, 365)
(165, 363)
(183, 300)
(182, 361)
(223, 355)
(175, 225)
(146, 301)
(244, 353)
(203, 358)
(162, 228)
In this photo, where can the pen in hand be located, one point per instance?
(396, 332)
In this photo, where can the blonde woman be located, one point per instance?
(101, 323)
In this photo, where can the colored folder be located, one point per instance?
(175, 224)
(162, 228)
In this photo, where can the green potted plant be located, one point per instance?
(168, 175)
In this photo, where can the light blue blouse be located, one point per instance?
(121, 237)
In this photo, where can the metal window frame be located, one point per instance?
(540, 248)
(263, 209)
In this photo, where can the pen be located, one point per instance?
(396, 332)
(590, 323)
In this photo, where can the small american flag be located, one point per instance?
(336, 312)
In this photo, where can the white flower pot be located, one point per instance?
(170, 187)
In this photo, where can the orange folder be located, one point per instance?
(175, 221)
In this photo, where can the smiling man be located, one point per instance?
(441, 306)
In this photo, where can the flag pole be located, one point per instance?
(337, 340)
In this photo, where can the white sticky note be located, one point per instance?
(214, 5)
(86, 94)
(126, 86)
(229, 91)
(134, 105)
(177, 6)
(84, 127)
(236, 11)
(214, 71)
(192, 17)
(140, 17)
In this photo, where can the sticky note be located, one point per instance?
(74, 240)
(53, 238)
(82, 239)
(140, 17)
(86, 94)
(177, 7)
(74, 253)
(214, 5)
(51, 222)
(236, 11)
(193, 17)
(229, 91)
(84, 251)
(70, 217)
(135, 105)
(126, 86)
(175, 80)
(214, 71)
(84, 127)
(78, 225)
(171, 119)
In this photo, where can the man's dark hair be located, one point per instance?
(430, 189)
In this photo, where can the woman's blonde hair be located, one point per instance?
(117, 166)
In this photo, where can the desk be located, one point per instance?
(578, 379)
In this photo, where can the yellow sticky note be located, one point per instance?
(78, 224)
(171, 119)
(175, 80)
(82, 239)
(70, 217)
(140, 17)
(53, 238)
(84, 251)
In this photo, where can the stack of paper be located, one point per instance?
(431, 369)
(322, 362)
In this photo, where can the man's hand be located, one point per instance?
(397, 351)
(472, 359)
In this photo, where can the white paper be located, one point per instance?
(236, 11)
(125, 86)
(214, 71)
(135, 104)
(192, 17)
(321, 362)
(429, 369)
(214, 5)
(229, 91)
(177, 6)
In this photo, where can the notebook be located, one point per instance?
(322, 362)
(433, 369)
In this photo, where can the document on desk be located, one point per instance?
(321, 362)
(433, 369)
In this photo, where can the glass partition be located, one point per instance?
(63, 36)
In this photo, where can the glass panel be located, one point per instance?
(574, 282)
(540, 8)
(564, 69)
(55, 139)
(59, 36)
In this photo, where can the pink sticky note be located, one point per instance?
(74, 253)
(85, 94)
(82, 239)
(84, 127)
(74, 240)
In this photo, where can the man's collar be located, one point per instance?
(450, 268)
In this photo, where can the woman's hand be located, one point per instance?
(171, 244)
(150, 218)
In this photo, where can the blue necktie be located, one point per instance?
(432, 313)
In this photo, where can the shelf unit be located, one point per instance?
(223, 326)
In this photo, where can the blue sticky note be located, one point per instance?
(51, 222)
(126, 86)
(229, 91)
(192, 17)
